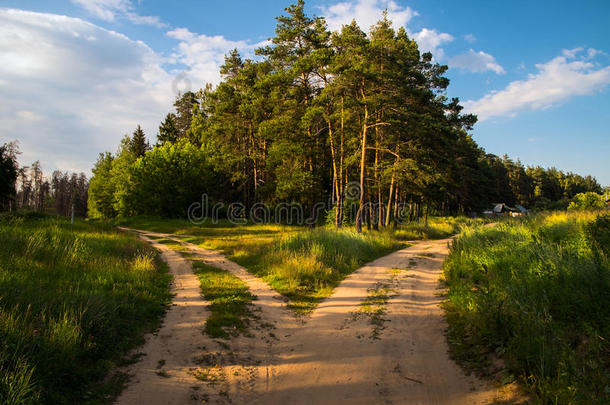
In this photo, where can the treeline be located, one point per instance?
(536, 187)
(27, 187)
(318, 113)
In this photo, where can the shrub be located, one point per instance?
(587, 201)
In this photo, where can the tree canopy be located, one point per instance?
(317, 113)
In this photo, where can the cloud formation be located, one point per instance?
(477, 62)
(366, 13)
(574, 73)
(431, 40)
(109, 10)
(70, 89)
(203, 55)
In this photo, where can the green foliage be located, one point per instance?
(535, 292)
(587, 202)
(75, 299)
(102, 188)
(168, 180)
(164, 182)
(168, 132)
(598, 233)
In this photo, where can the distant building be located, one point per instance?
(501, 209)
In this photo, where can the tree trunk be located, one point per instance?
(389, 208)
(341, 182)
(335, 177)
(362, 162)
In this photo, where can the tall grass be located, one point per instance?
(536, 293)
(73, 300)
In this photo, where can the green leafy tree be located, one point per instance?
(168, 180)
(102, 188)
(587, 201)
(185, 105)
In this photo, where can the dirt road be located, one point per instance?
(379, 339)
(162, 375)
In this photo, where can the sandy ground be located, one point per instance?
(162, 375)
(341, 353)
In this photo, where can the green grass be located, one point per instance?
(74, 299)
(302, 264)
(438, 227)
(535, 292)
(229, 299)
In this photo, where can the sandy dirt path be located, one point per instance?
(399, 356)
(341, 353)
(162, 375)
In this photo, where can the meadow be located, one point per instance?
(75, 299)
(300, 263)
(535, 293)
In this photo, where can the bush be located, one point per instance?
(587, 202)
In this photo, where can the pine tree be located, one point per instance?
(138, 144)
(168, 131)
(184, 105)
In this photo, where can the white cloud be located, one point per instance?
(66, 97)
(476, 62)
(203, 55)
(366, 13)
(70, 89)
(431, 40)
(556, 81)
(470, 38)
(109, 10)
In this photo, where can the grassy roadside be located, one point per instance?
(300, 263)
(535, 293)
(74, 300)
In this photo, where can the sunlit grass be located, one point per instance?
(74, 300)
(536, 291)
(229, 299)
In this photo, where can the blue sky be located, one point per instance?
(77, 74)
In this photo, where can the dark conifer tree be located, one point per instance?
(168, 131)
(139, 145)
